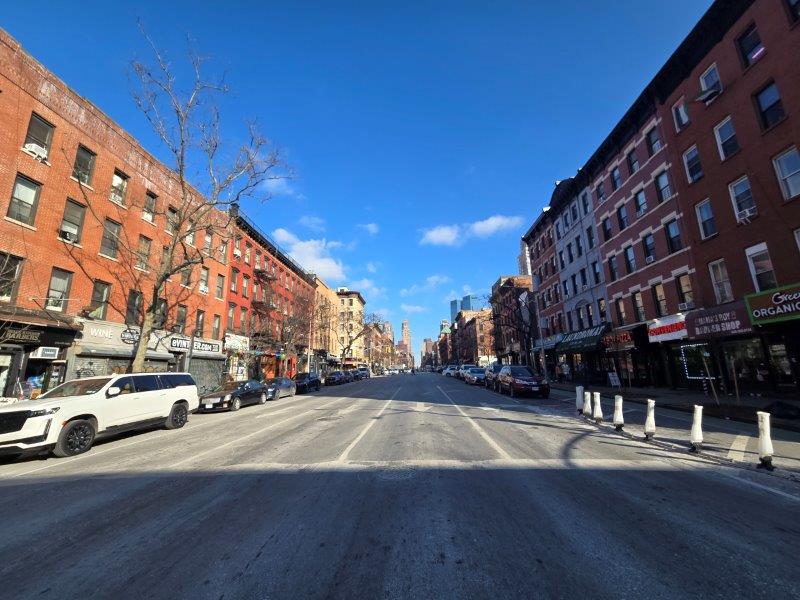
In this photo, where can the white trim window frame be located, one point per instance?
(789, 182)
(688, 151)
(720, 281)
(737, 196)
(704, 85)
(721, 143)
(701, 220)
(752, 253)
(679, 111)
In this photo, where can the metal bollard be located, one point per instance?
(597, 415)
(650, 421)
(765, 450)
(697, 430)
(579, 398)
(619, 420)
(587, 404)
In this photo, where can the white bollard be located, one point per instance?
(587, 404)
(697, 430)
(579, 398)
(765, 450)
(650, 421)
(619, 420)
(598, 410)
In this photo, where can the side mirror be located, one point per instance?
(113, 391)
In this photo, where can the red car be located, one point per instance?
(519, 380)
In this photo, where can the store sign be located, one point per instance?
(585, 339)
(779, 304)
(667, 329)
(726, 320)
(130, 336)
(236, 343)
(30, 335)
(177, 343)
(618, 340)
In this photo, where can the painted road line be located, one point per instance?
(343, 456)
(487, 438)
(738, 447)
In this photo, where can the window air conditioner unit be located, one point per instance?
(649, 259)
(66, 235)
(744, 216)
(237, 253)
(640, 212)
(685, 306)
(203, 289)
(38, 151)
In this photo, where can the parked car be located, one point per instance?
(450, 371)
(278, 387)
(306, 382)
(519, 379)
(67, 419)
(475, 376)
(348, 376)
(364, 372)
(334, 378)
(490, 378)
(233, 396)
(463, 369)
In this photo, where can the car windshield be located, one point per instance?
(77, 387)
(230, 386)
(476, 371)
(521, 372)
(273, 381)
(300, 376)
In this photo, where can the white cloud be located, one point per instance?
(313, 255)
(431, 283)
(383, 313)
(371, 267)
(442, 235)
(494, 224)
(370, 228)
(412, 308)
(279, 187)
(312, 222)
(455, 235)
(368, 288)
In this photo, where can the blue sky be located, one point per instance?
(425, 136)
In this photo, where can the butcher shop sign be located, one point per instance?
(779, 304)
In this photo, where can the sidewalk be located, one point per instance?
(784, 412)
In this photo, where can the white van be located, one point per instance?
(67, 419)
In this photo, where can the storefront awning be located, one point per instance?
(718, 322)
(112, 352)
(584, 340)
(549, 342)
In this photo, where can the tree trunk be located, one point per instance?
(144, 338)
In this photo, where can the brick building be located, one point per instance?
(477, 341)
(513, 319)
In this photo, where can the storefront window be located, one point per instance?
(781, 366)
(745, 361)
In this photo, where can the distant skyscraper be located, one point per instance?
(470, 302)
(406, 335)
(454, 308)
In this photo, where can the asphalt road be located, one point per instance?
(399, 487)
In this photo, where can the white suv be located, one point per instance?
(67, 418)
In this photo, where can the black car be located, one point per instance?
(357, 376)
(306, 382)
(233, 395)
(334, 378)
(492, 371)
(278, 387)
(348, 376)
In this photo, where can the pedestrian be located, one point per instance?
(559, 374)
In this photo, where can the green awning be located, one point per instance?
(584, 340)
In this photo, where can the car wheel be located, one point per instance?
(76, 438)
(263, 398)
(319, 385)
(178, 416)
(236, 404)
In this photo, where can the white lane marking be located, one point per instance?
(343, 455)
(252, 433)
(420, 407)
(489, 407)
(738, 447)
(487, 438)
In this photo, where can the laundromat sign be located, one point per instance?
(779, 304)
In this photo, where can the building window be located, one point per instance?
(245, 286)
(109, 245)
(257, 262)
(596, 272)
(600, 193)
(561, 258)
(711, 84)
(584, 281)
(172, 220)
(220, 291)
(566, 221)
(570, 256)
(180, 319)
(149, 208)
(727, 144)
(770, 107)
(589, 315)
(83, 169)
(578, 246)
(640, 202)
(10, 271)
(247, 250)
(630, 260)
(208, 242)
(653, 141)
(119, 187)
(72, 222)
(659, 300)
(58, 292)
(612, 268)
(234, 280)
(622, 217)
(143, 252)
(215, 327)
(204, 280)
(200, 323)
(673, 236)
(590, 236)
(649, 246)
(601, 308)
(243, 320)
(705, 219)
(680, 115)
(24, 200)
(558, 230)
(761, 267)
(663, 190)
(750, 46)
(787, 168)
(744, 205)
(620, 305)
(231, 314)
(638, 306)
(133, 309)
(186, 276)
(607, 233)
(585, 200)
(685, 294)
(39, 136)
(223, 252)
(633, 162)
(691, 160)
(616, 178)
(720, 281)
(574, 211)
(166, 260)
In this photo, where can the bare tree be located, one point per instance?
(353, 330)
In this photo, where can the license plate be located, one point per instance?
(209, 405)
(535, 388)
